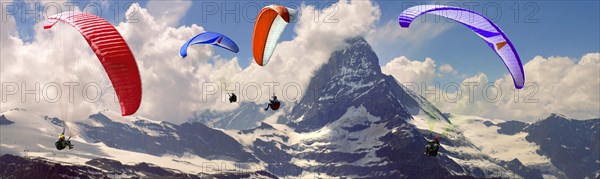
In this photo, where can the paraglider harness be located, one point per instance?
(433, 146)
(62, 143)
(273, 104)
(232, 98)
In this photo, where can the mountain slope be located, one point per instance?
(33, 135)
(556, 146)
(248, 115)
(354, 124)
(20, 167)
(352, 77)
(164, 138)
(572, 145)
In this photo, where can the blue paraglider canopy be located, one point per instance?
(212, 38)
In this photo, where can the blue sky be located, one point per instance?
(546, 28)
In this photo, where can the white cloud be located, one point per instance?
(172, 87)
(61, 54)
(31, 63)
(168, 12)
(391, 33)
(96, 5)
(295, 61)
(447, 69)
(554, 85)
(392, 39)
(409, 71)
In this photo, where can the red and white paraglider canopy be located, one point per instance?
(270, 23)
(113, 53)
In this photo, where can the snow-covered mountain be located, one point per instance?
(358, 123)
(247, 116)
(186, 148)
(350, 78)
(556, 146)
(26, 167)
(573, 146)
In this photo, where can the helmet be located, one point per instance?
(436, 138)
(61, 137)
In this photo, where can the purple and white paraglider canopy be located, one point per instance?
(482, 26)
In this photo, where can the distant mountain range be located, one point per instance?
(247, 116)
(359, 123)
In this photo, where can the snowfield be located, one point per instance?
(40, 135)
(500, 146)
(477, 145)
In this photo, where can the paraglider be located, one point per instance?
(113, 53)
(232, 98)
(273, 104)
(433, 146)
(212, 38)
(482, 26)
(270, 23)
(62, 143)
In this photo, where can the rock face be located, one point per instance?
(4, 121)
(351, 78)
(516, 166)
(166, 138)
(511, 127)
(572, 145)
(20, 167)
